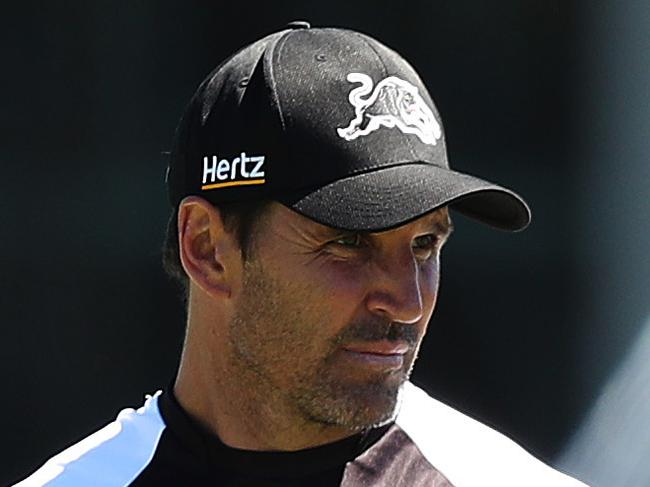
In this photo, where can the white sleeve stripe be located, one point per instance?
(111, 457)
(466, 451)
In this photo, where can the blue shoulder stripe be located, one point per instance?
(111, 457)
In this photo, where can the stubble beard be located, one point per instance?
(277, 353)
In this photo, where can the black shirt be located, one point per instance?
(429, 444)
(189, 455)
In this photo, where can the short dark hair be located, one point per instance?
(238, 217)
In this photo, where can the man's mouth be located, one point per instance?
(381, 354)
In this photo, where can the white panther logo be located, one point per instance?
(392, 103)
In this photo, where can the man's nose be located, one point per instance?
(395, 290)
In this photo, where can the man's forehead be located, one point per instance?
(436, 220)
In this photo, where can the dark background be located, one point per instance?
(546, 97)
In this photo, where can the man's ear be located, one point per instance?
(208, 252)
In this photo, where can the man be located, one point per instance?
(311, 195)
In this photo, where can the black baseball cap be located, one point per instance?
(332, 124)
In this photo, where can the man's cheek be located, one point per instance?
(340, 280)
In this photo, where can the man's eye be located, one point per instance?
(426, 242)
(351, 240)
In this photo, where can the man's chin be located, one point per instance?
(354, 405)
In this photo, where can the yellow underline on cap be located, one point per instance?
(233, 183)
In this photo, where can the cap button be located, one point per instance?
(299, 24)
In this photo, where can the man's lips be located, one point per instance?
(382, 354)
(382, 347)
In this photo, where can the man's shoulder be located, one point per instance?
(468, 452)
(112, 456)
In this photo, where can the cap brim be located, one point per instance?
(389, 197)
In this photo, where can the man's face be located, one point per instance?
(331, 321)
